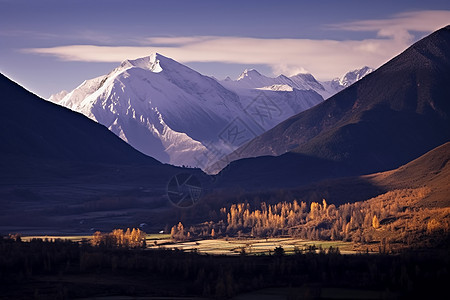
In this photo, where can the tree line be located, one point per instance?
(134, 238)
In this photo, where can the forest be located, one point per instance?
(61, 269)
(389, 222)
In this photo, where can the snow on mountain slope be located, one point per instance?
(338, 84)
(160, 107)
(252, 79)
(178, 116)
(277, 87)
(58, 96)
(353, 76)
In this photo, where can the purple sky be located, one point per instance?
(52, 45)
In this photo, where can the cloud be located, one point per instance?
(91, 53)
(399, 25)
(324, 58)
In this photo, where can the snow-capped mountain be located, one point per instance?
(252, 79)
(58, 96)
(348, 79)
(353, 76)
(178, 116)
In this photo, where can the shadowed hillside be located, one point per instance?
(387, 119)
(61, 170)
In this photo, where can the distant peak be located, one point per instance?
(307, 76)
(55, 98)
(363, 70)
(249, 73)
(351, 77)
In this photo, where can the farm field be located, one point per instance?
(251, 246)
(225, 246)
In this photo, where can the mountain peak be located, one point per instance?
(151, 62)
(351, 77)
(249, 73)
(55, 98)
(304, 76)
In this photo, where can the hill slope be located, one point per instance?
(431, 170)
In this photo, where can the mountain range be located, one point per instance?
(388, 118)
(172, 113)
(252, 79)
(62, 170)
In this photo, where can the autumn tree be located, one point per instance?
(117, 238)
(375, 222)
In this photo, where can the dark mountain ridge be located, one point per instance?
(381, 122)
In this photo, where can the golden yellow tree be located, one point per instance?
(375, 222)
(96, 238)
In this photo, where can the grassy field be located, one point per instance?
(250, 246)
(222, 246)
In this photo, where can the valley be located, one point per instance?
(153, 180)
(223, 246)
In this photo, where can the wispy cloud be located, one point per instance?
(324, 58)
(400, 25)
